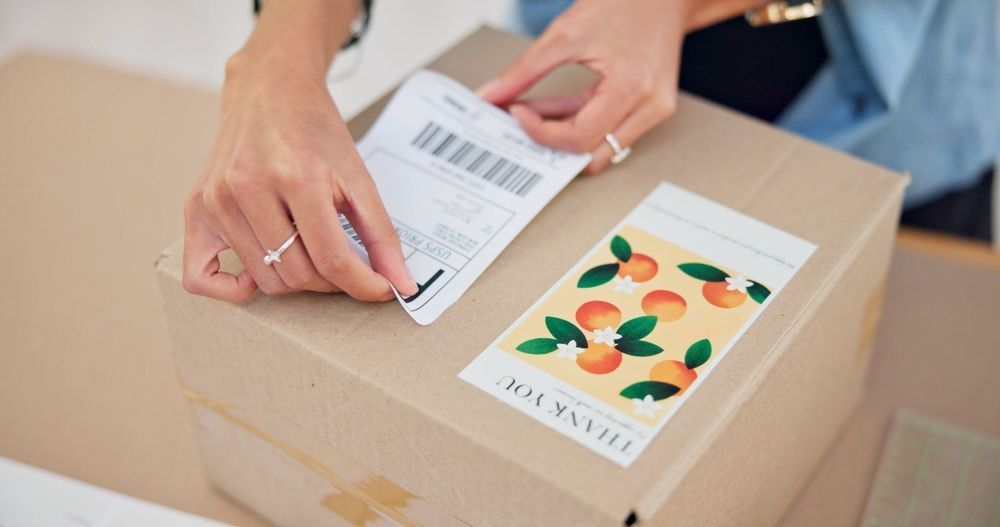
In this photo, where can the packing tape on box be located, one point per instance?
(869, 324)
(358, 503)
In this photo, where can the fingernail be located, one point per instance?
(413, 283)
(488, 88)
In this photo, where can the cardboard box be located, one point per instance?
(318, 410)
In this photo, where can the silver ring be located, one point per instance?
(620, 153)
(275, 255)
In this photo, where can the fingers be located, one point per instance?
(545, 55)
(367, 215)
(583, 131)
(629, 131)
(202, 275)
(325, 241)
(241, 238)
(559, 106)
(270, 223)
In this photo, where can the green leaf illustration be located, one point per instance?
(703, 272)
(537, 346)
(596, 276)
(698, 354)
(564, 331)
(659, 390)
(621, 249)
(637, 328)
(638, 348)
(758, 292)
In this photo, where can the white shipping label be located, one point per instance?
(460, 180)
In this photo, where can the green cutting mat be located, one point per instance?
(935, 474)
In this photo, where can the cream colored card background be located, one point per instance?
(700, 320)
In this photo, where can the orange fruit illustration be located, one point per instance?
(667, 306)
(717, 295)
(598, 314)
(599, 358)
(640, 267)
(673, 372)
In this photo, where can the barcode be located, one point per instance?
(476, 160)
(349, 229)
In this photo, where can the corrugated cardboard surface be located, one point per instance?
(757, 464)
(94, 165)
(86, 383)
(366, 379)
(97, 397)
(935, 353)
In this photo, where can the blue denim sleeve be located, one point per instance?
(537, 14)
(913, 85)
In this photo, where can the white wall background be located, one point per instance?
(188, 41)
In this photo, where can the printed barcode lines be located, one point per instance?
(476, 160)
(349, 229)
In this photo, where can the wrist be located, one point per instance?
(687, 12)
(295, 38)
(698, 14)
(277, 63)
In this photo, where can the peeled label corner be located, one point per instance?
(460, 180)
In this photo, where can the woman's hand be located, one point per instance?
(635, 47)
(284, 160)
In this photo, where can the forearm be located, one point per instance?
(703, 13)
(298, 37)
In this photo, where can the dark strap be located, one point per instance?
(356, 36)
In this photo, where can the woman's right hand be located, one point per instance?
(284, 160)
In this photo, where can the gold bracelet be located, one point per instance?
(780, 12)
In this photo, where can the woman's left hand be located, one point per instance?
(634, 46)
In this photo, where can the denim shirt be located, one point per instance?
(913, 85)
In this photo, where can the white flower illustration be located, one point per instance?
(606, 336)
(738, 283)
(625, 284)
(568, 350)
(646, 406)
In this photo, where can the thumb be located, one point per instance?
(537, 62)
(202, 270)
(373, 225)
